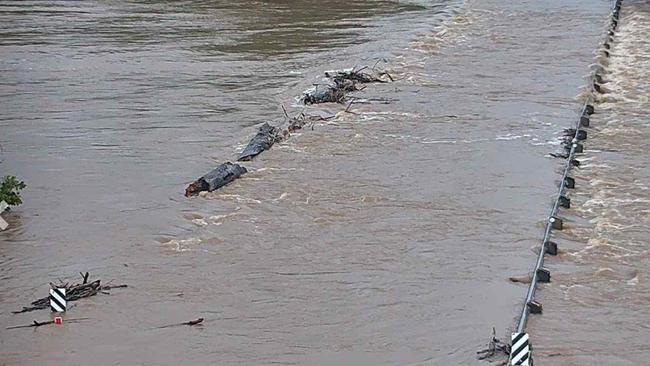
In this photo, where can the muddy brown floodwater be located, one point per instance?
(384, 236)
(599, 298)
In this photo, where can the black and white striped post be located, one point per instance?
(3, 224)
(520, 350)
(58, 301)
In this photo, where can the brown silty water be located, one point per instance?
(382, 236)
(596, 308)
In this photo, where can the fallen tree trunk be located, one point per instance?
(219, 177)
(266, 136)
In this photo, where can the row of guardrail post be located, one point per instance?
(520, 346)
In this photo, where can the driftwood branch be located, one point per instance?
(190, 323)
(38, 324)
(495, 346)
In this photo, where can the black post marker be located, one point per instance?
(544, 275)
(551, 248)
(534, 307)
(556, 223)
(570, 182)
(565, 202)
(579, 148)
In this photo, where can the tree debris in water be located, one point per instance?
(217, 178)
(266, 136)
(340, 83)
(38, 324)
(495, 347)
(359, 75)
(324, 94)
(198, 321)
(297, 122)
(522, 279)
(74, 292)
(344, 81)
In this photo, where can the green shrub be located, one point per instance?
(10, 190)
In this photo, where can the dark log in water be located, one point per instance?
(327, 94)
(190, 323)
(266, 136)
(219, 177)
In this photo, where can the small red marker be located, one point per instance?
(58, 320)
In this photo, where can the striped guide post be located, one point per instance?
(58, 302)
(3, 223)
(519, 350)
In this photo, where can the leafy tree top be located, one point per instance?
(10, 190)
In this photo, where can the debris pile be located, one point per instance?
(340, 83)
(74, 292)
(359, 76)
(495, 347)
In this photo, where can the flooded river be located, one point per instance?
(383, 236)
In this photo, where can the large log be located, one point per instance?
(219, 177)
(266, 136)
